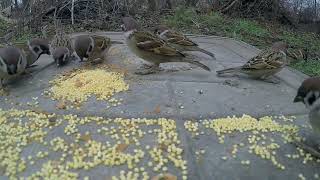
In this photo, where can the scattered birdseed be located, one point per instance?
(80, 151)
(78, 86)
(257, 132)
(301, 177)
(191, 126)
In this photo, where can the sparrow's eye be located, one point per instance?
(36, 49)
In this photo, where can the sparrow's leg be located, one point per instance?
(314, 152)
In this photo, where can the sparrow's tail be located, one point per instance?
(207, 52)
(197, 63)
(231, 71)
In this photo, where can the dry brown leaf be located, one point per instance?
(166, 176)
(122, 147)
(157, 110)
(61, 105)
(86, 137)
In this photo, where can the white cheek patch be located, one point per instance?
(312, 94)
(90, 49)
(163, 34)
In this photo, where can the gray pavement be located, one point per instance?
(186, 94)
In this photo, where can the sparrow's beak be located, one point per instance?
(298, 99)
(47, 52)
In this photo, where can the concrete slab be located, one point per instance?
(181, 92)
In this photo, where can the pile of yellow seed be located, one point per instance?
(78, 150)
(78, 86)
(259, 143)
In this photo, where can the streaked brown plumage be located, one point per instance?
(265, 64)
(152, 48)
(178, 40)
(61, 55)
(12, 62)
(309, 94)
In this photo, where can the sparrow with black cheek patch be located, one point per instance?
(83, 46)
(102, 45)
(265, 64)
(12, 62)
(62, 42)
(309, 94)
(33, 49)
(61, 56)
(152, 48)
(178, 40)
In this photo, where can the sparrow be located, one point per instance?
(151, 48)
(33, 49)
(60, 41)
(61, 56)
(178, 40)
(102, 45)
(91, 47)
(83, 46)
(12, 62)
(37, 47)
(309, 94)
(264, 65)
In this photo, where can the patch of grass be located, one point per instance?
(311, 68)
(3, 27)
(250, 31)
(23, 38)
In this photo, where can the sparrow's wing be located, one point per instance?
(178, 38)
(148, 42)
(61, 39)
(267, 59)
(21, 45)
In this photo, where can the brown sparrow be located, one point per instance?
(178, 40)
(309, 94)
(60, 41)
(264, 65)
(33, 49)
(152, 48)
(61, 56)
(12, 62)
